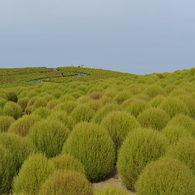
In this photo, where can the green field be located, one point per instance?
(63, 130)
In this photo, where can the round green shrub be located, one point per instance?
(175, 132)
(39, 102)
(67, 106)
(82, 113)
(42, 112)
(62, 116)
(12, 109)
(103, 111)
(67, 97)
(23, 102)
(20, 147)
(52, 103)
(121, 97)
(68, 162)
(33, 173)
(66, 182)
(140, 147)
(2, 102)
(166, 176)
(5, 122)
(173, 106)
(11, 95)
(118, 124)
(83, 99)
(155, 118)
(93, 146)
(154, 90)
(136, 106)
(7, 170)
(49, 136)
(22, 125)
(156, 101)
(184, 150)
(185, 121)
(111, 190)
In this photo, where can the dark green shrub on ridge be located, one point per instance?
(140, 147)
(93, 146)
(166, 176)
(49, 136)
(66, 182)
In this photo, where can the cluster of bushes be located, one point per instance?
(61, 138)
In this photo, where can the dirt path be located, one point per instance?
(111, 179)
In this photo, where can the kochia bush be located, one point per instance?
(93, 146)
(184, 150)
(49, 136)
(140, 147)
(66, 182)
(166, 176)
(155, 118)
(118, 124)
(111, 190)
(12, 109)
(5, 122)
(33, 173)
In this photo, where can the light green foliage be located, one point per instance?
(67, 97)
(155, 118)
(111, 190)
(42, 112)
(39, 102)
(7, 170)
(184, 150)
(118, 124)
(93, 146)
(67, 106)
(166, 176)
(94, 104)
(52, 103)
(96, 95)
(20, 147)
(66, 182)
(22, 125)
(64, 117)
(103, 111)
(83, 99)
(156, 101)
(185, 121)
(136, 106)
(82, 113)
(49, 136)
(174, 132)
(2, 102)
(173, 106)
(12, 109)
(5, 122)
(140, 147)
(122, 96)
(68, 162)
(23, 102)
(33, 173)
(154, 90)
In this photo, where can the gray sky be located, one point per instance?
(139, 37)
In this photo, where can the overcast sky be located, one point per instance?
(133, 36)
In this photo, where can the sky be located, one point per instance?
(132, 36)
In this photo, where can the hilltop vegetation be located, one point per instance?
(75, 125)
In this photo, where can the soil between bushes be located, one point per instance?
(113, 179)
